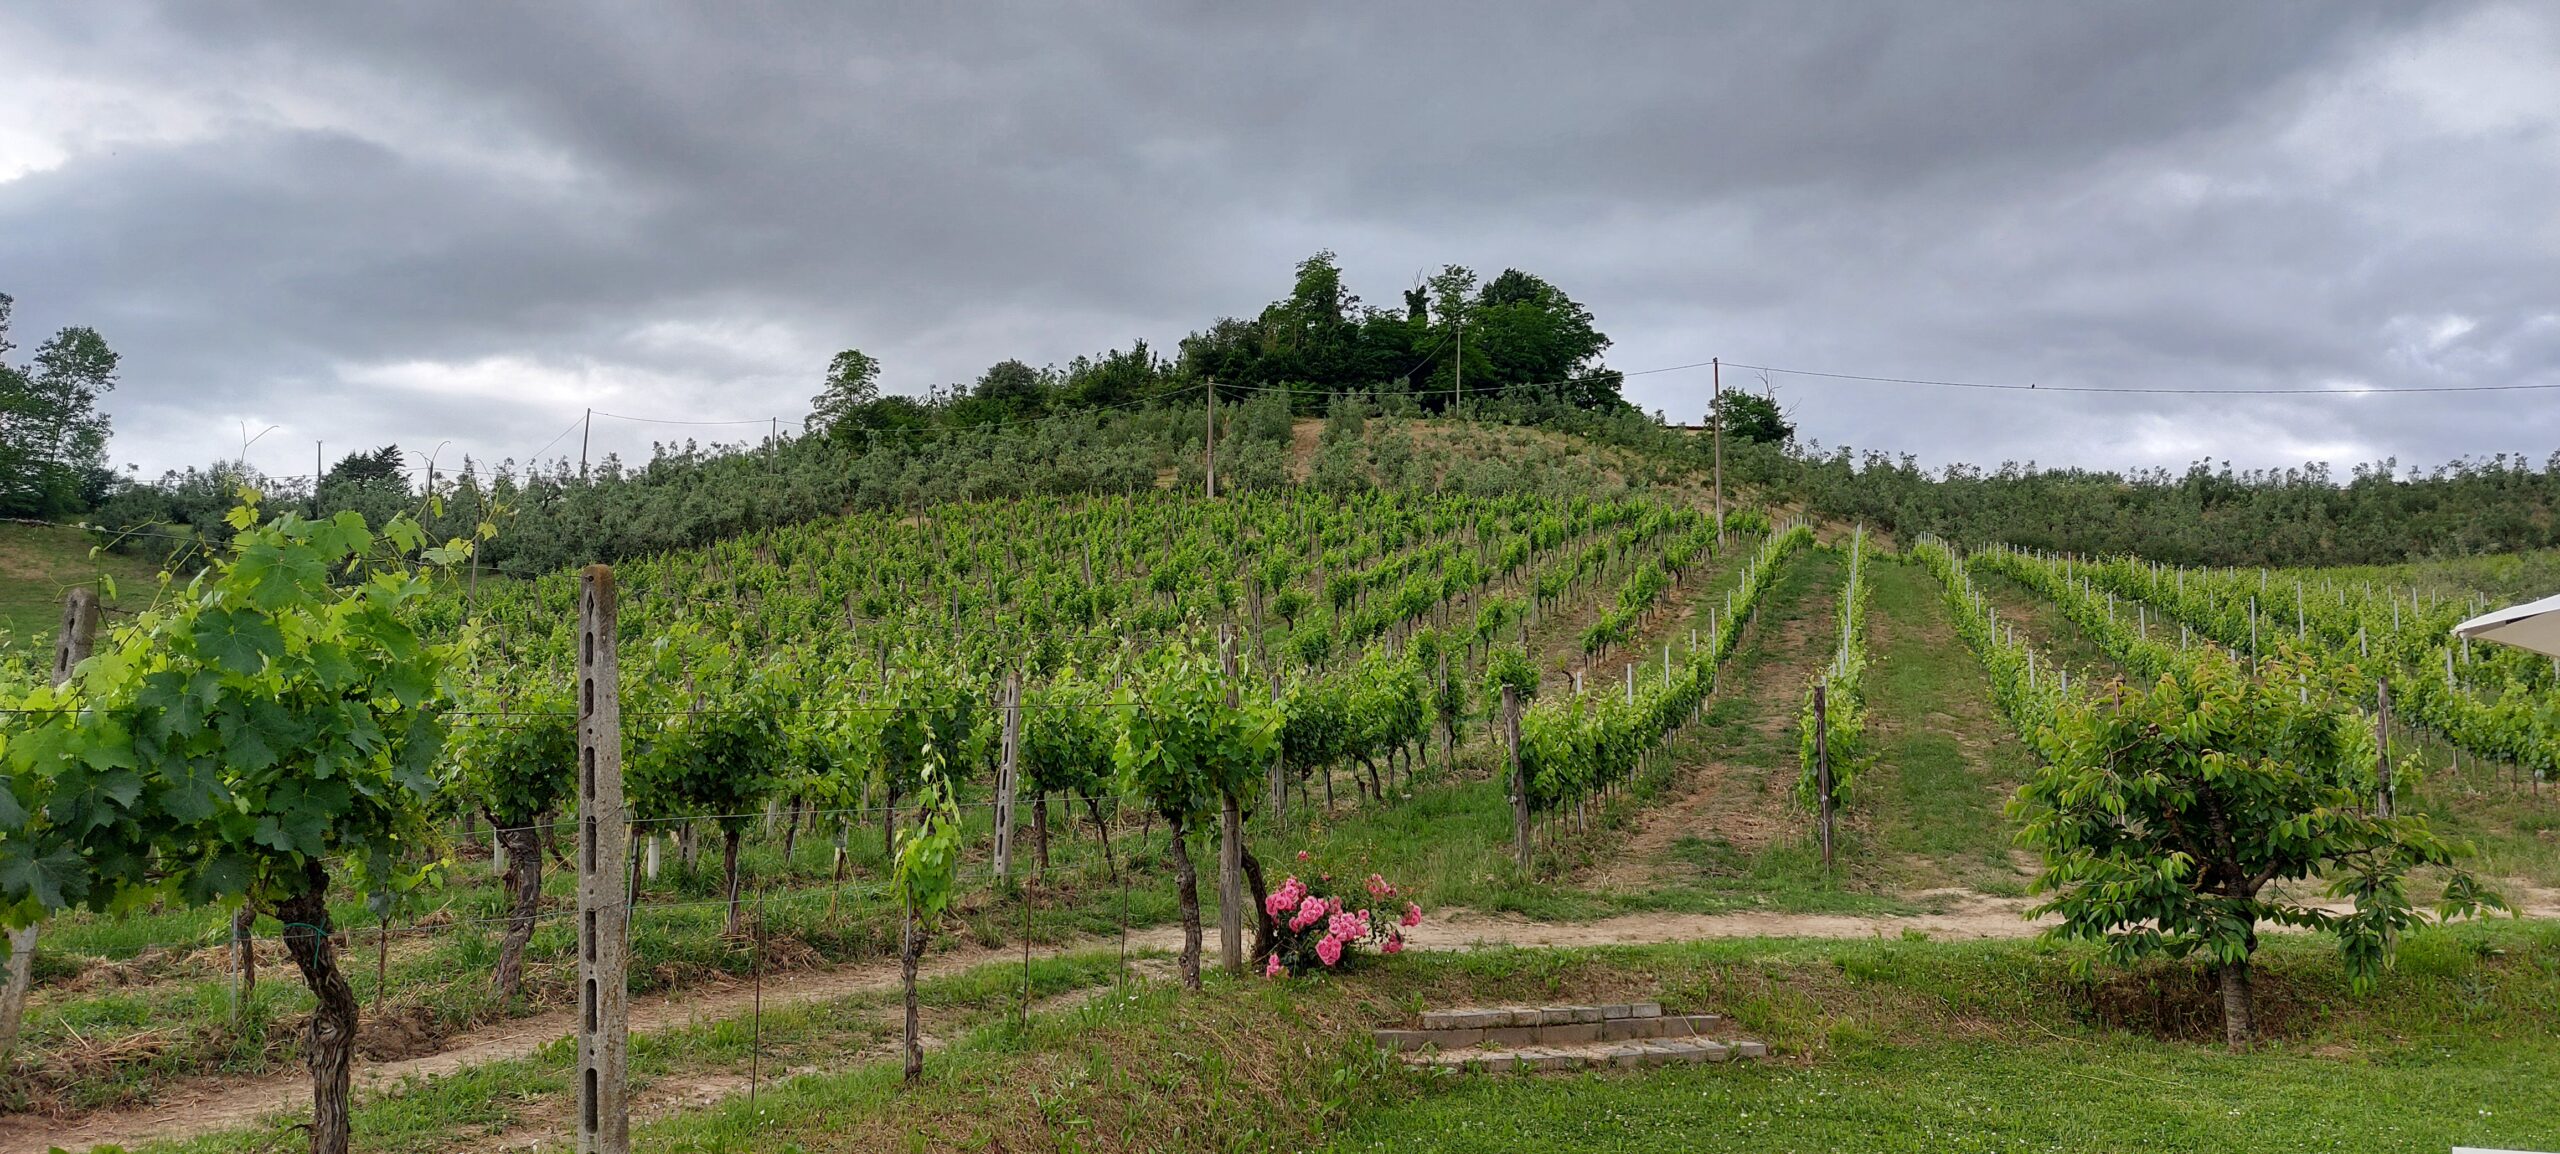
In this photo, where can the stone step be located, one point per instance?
(1488, 1017)
(1656, 1052)
(1557, 1034)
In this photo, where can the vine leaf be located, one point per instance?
(240, 642)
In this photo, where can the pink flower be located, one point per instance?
(1279, 903)
(1412, 914)
(1395, 944)
(1274, 968)
(1378, 886)
(1329, 951)
(1310, 913)
(1302, 855)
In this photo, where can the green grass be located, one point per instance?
(1903, 1045)
(40, 563)
(1943, 762)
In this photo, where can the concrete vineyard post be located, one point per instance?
(1008, 769)
(2382, 745)
(1230, 836)
(1519, 775)
(70, 647)
(604, 1114)
(1279, 765)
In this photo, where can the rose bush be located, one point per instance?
(1322, 931)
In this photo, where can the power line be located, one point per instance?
(2338, 390)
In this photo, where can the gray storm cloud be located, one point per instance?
(468, 223)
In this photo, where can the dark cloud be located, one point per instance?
(419, 223)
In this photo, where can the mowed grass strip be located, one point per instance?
(1889, 1045)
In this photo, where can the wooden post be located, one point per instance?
(1008, 781)
(70, 647)
(1210, 449)
(1822, 769)
(2382, 741)
(604, 1106)
(1230, 835)
(1519, 775)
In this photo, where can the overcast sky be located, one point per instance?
(446, 222)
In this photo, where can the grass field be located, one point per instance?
(1905, 1045)
(39, 563)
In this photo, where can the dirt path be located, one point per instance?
(1739, 792)
(216, 1105)
(220, 1104)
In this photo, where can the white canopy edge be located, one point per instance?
(2534, 625)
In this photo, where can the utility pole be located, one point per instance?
(316, 456)
(1715, 422)
(1461, 322)
(1212, 443)
(583, 435)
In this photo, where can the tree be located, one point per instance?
(2165, 814)
(853, 382)
(380, 465)
(53, 440)
(279, 714)
(1753, 418)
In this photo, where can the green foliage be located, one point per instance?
(514, 750)
(2164, 815)
(928, 852)
(1180, 744)
(702, 723)
(278, 711)
(1752, 418)
(53, 439)
(1571, 747)
(1844, 721)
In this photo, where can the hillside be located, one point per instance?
(1672, 843)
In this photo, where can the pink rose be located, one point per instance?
(1412, 914)
(1377, 886)
(1329, 951)
(1302, 855)
(1279, 903)
(1395, 945)
(1274, 969)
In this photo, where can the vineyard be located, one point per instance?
(1018, 752)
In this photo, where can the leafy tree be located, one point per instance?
(853, 382)
(276, 715)
(380, 465)
(53, 440)
(2165, 814)
(1752, 417)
